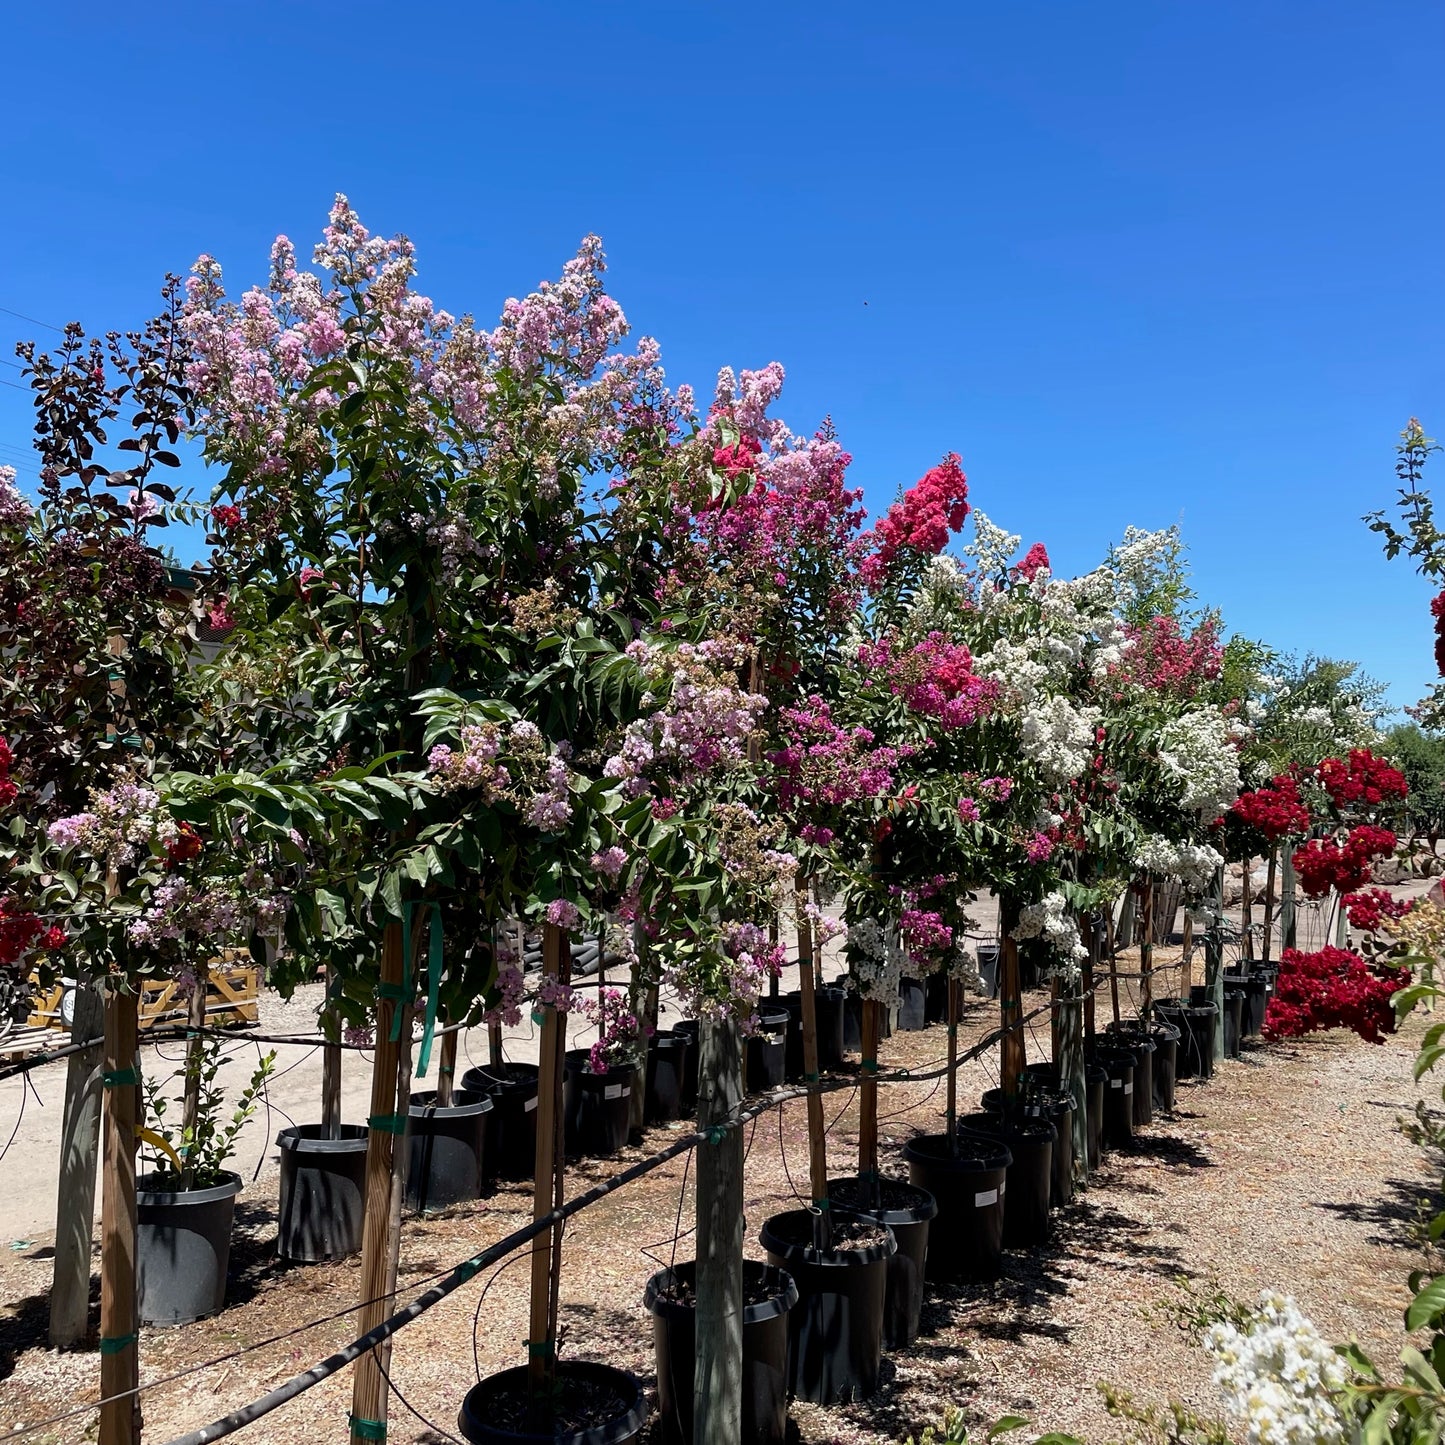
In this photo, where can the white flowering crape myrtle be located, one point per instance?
(1199, 750)
(1277, 1376)
(876, 959)
(1192, 864)
(1050, 920)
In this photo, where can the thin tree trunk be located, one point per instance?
(385, 1178)
(1246, 911)
(447, 1067)
(1214, 962)
(1186, 961)
(547, 1186)
(1069, 1060)
(1113, 960)
(1288, 902)
(1146, 948)
(955, 1007)
(868, 1097)
(195, 1053)
(1012, 1055)
(120, 1420)
(773, 940)
(79, 1159)
(817, 939)
(817, 1142)
(1089, 929)
(718, 1370)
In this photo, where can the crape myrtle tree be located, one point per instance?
(414, 514)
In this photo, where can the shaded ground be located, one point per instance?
(1287, 1170)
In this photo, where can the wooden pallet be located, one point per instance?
(230, 999)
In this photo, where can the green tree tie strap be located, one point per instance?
(716, 1133)
(116, 1343)
(120, 1078)
(822, 1204)
(433, 985)
(869, 1066)
(812, 1078)
(406, 909)
(541, 1349)
(387, 1123)
(367, 1429)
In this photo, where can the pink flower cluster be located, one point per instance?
(921, 521)
(1159, 657)
(935, 678)
(826, 765)
(618, 1028)
(474, 765)
(924, 931)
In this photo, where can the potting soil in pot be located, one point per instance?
(591, 1404)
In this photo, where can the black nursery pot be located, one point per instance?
(1134, 1035)
(183, 1249)
(966, 1239)
(912, 1005)
(666, 1077)
(597, 1107)
(1166, 1053)
(828, 1009)
(1234, 999)
(765, 1053)
(906, 1210)
(494, 1412)
(1195, 1022)
(765, 1350)
(1096, 1085)
(988, 954)
(448, 1147)
(690, 1030)
(512, 1123)
(835, 1331)
(323, 1192)
(1256, 999)
(1030, 1174)
(936, 997)
(1058, 1109)
(1119, 1064)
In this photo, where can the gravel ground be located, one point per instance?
(1287, 1170)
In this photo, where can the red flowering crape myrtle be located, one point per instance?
(1361, 781)
(1374, 908)
(1325, 863)
(1332, 989)
(1276, 811)
(921, 521)
(1437, 611)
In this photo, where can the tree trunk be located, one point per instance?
(1214, 961)
(447, 1067)
(1186, 961)
(1088, 927)
(1146, 947)
(1288, 902)
(817, 1141)
(385, 1180)
(1267, 938)
(79, 1157)
(1246, 911)
(955, 1008)
(547, 1186)
(868, 1097)
(718, 1372)
(1113, 958)
(120, 1420)
(1124, 933)
(1012, 1052)
(1069, 1060)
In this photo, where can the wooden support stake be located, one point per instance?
(817, 1141)
(955, 1008)
(1246, 913)
(1011, 1004)
(195, 1050)
(773, 939)
(120, 1420)
(447, 1067)
(1288, 905)
(79, 1161)
(385, 1177)
(1146, 947)
(1090, 938)
(547, 1184)
(868, 1096)
(1186, 960)
(718, 1371)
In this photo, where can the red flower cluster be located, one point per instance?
(1361, 780)
(227, 517)
(743, 457)
(185, 847)
(1325, 863)
(1368, 910)
(1437, 611)
(1274, 811)
(935, 678)
(20, 932)
(8, 789)
(1036, 558)
(922, 520)
(1331, 989)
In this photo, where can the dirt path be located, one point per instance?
(1286, 1170)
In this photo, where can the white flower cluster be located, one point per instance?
(876, 959)
(992, 548)
(963, 965)
(1020, 675)
(1198, 748)
(1277, 1376)
(1192, 864)
(1059, 737)
(1050, 921)
(1142, 560)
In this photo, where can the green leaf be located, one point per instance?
(1426, 1305)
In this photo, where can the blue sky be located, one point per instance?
(1136, 262)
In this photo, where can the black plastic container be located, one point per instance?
(1119, 1064)
(765, 1053)
(1030, 1142)
(1195, 1022)
(597, 1107)
(1166, 1054)
(690, 1030)
(966, 1238)
(1050, 1103)
(1256, 998)
(1096, 1085)
(828, 1007)
(1234, 1000)
(835, 1331)
(912, 1005)
(666, 1077)
(323, 1192)
(988, 954)
(907, 1211)
(183, 1249)
(512, 1124)
(765, 1352)
(936, 1002)
(478, 1412)
(447, 1151)
(1134, 1035)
